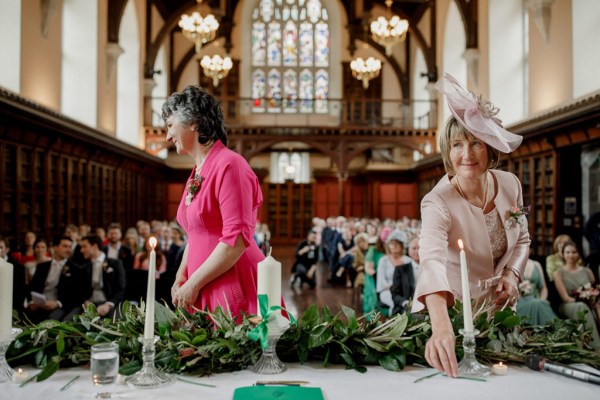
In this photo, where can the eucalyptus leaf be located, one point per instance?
(49, 369)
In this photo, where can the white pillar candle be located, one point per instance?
(6, 297)
(150, 292)
(466, 291)
(269, 283)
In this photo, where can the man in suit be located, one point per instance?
(115, 248)
(405, 279)
(58, 280)
(18, 276)
(73, 232)
(103, 279)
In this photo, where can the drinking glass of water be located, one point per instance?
(105, 366)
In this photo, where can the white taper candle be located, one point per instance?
(150, 292)
(466, 291)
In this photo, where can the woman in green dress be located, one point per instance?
(570, 279)
(533, 303)
(374, 254)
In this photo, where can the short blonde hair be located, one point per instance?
(455, 130)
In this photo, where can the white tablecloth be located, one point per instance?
(336, 383)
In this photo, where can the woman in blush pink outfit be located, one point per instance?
(473, 203)
(218, 210)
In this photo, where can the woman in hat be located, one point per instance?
(475, 203)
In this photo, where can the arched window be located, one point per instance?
(287, 166)
(290, 47)
(80, 61)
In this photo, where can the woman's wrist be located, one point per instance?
(512, 271)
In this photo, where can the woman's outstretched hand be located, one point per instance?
(440, 353)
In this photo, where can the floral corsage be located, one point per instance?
(516, 215)
(193, 187)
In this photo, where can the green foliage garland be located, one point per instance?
(211, 342)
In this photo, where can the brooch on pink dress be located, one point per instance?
(517, 216)
(192, 187)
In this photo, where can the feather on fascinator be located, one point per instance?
(477, 115)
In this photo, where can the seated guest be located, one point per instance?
(555, 261)
(346, 250)
(103, 279)
(385, 270)
(131, 241)
(72, 231)
(177, 244)
(375, 253)
(405, 279)
(533, 302)
(18, 275)
(307, 256)
(58, 281)
(115, 248)
(358, 265)
(571, 282)
(141, 260)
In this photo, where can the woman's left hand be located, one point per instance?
(508, 289)
(187, 295)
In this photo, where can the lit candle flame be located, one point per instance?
(460, 244)
(153, 242)
(19, 371)
(500, 363)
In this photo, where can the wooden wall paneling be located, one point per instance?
(333, 200)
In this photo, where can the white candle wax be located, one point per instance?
(150, 292)
(20, 376)
(6, 297)
(500, 369)
(269, 283)
(466, 291)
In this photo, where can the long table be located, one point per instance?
(335, 381)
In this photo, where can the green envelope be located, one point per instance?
(277, 393)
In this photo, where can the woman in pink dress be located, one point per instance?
(218, 210)
(478, 204)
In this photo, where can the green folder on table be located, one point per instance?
(277, 393)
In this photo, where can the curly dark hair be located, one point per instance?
(194, 106)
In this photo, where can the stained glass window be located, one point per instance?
(290, 91)
(259, 44)
(291, 37)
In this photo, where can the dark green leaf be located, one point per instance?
(310, 317)
(60, 343)
(389, 362)
(512, 321)
(49, 369)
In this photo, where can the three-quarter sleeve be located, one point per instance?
(433, 251)
(239, 196)
(520, 254)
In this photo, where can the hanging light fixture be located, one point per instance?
(365, 70)
(388, 32)
(198, 29)
(216, 67)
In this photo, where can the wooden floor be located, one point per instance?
(298, 300)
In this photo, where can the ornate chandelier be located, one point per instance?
(365, 70)
(389, 32)
(216, 67)
(198, 29)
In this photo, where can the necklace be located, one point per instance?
(485, 203)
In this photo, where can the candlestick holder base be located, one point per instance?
(149, 377)
(469, 366)
(269, 363)
(6, 372)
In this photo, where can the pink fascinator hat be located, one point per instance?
(385, 232)
(477, 115)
